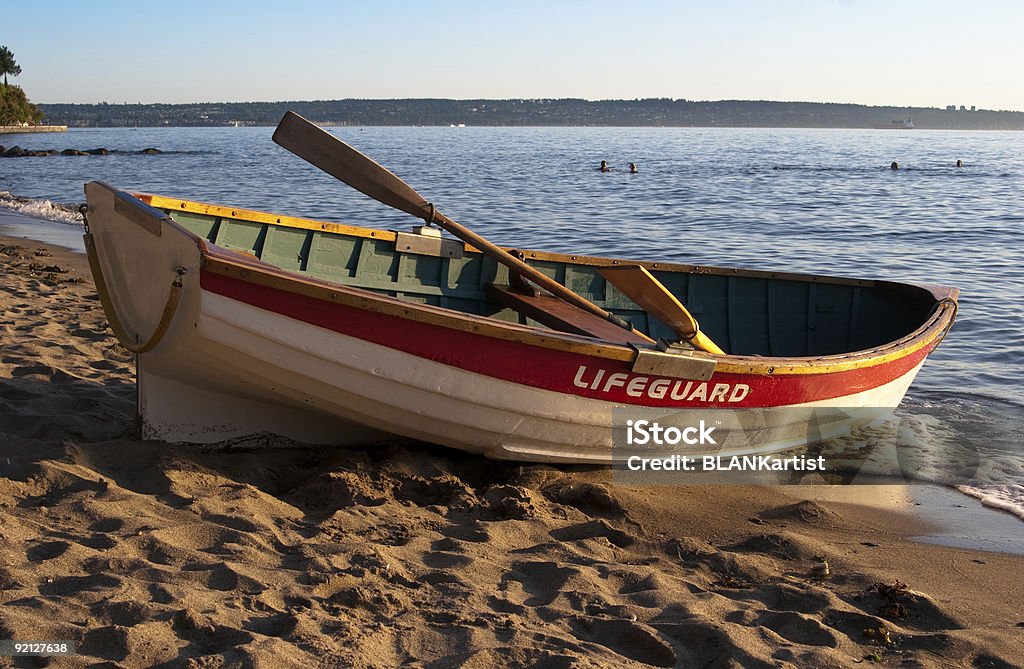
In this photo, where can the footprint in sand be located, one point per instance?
(475, 531)
(91, 335)
(441, 560)
(543, 581)
(593, 529)
(195, 628)
(110, 643)
(12, 393)
(125, 614)
(98, 542)
(71, 585)
(774, 545)
(222, 578)
(798, 628)
(107, 525)
(633, 582)
(505, 606)
(590, 498)
(47, 551)
(784, 597)
(47, 372)
(233, 522)
(705, 644)
(158, 594)
(627, 638)
(105, 365)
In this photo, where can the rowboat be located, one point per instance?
(247, 322)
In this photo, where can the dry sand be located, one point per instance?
(269, 553)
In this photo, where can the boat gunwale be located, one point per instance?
(269, 276)
(233, 264)
(220, 261)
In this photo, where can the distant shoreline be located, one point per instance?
(655, 112)
(329, 124)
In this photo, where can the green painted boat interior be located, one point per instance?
(746, 313)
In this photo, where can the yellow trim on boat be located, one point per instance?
(161, 202)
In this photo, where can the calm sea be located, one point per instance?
(821, 201)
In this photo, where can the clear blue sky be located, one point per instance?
(879, 52)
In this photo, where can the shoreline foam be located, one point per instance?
(41, 209)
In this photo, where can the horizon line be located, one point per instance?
(538, 99)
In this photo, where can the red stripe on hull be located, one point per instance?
(559, 371)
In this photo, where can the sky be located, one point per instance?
(911, 53)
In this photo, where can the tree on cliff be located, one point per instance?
(15, 108)
(14, 105)
(7, 64)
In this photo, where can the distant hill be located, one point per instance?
(535, 112)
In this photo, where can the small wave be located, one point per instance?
(1009, 498)
(966, 401)
(38, 208)
(923, 448)
(843, 169)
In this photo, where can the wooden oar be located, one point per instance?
(324, 150)
(643, 288)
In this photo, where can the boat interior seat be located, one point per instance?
(558, 314)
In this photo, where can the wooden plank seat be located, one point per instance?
(558, 314)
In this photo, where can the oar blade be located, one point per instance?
(642, 287)
(322, 149)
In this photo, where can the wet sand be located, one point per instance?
(264, 552)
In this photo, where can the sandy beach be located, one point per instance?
(268, 553)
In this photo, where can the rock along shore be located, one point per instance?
(18, 152)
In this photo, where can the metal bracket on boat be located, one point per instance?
(83, 209)
(517, 281)
(427, 241)
(675, 361)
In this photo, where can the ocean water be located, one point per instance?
(820, 201)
